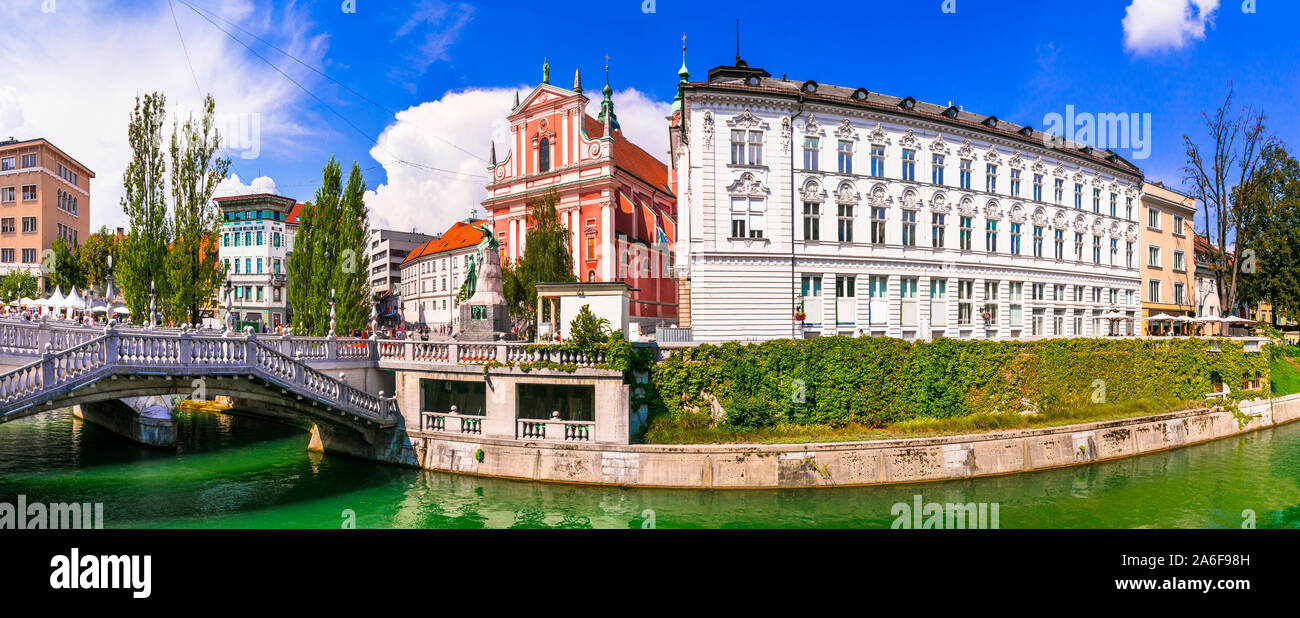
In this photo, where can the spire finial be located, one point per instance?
(516, 100)
(682, 72)
(737, 41)
(577, 81)
(493, 158)
(546, 71)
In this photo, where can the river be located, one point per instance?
(239, 472)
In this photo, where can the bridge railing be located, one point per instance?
(463, 353)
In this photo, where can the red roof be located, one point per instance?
(458, 236)
(631, 158)
(292, 219)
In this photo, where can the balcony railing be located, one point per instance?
(552, 429)
(454, 423)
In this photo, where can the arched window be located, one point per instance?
(544, 155)
(591, 275)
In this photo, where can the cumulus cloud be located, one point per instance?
(1154, 25)
(441, 134)
(233, 186)
(112, 54)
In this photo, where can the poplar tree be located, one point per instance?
(144, 252)
(350, 277)
(194, 270)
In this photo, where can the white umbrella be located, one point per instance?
(28, 302)
(1159, 317)
(121, 310)
(1232, 319)
(1114, 315)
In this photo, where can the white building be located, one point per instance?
(432, 275)
(257, 234)
(877, 215)
(388, 249)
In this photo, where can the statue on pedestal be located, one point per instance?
(483, 315)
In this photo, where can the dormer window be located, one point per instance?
(1026, 131)
(544, 155)
(908, 103)
(752, 81)
(951, 112)
(809, 87)
(860, 94)
(991, 122)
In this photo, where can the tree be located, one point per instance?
(193, 268)
(63, 267)
(144, 252)
(18, 284)
(94, 256)
(587, 329)
(302, 294)
(1272, 227)
(350, 277)
(1226, 184)
(546, 258)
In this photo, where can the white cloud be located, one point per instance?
(233, 186)
(1153, 25)
(440, 24)
(73, 77)
(430, 201)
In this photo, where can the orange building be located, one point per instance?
(612, 196)
(44, 195)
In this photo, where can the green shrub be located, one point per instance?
(586, 329)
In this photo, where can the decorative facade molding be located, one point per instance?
(878, 135)
(747, 185)
(747, 120)
(966, 151)
(812, 191)
(847, 193)
(846, 131)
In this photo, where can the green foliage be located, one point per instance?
(1270, 230)
(94, 256)
(193, 269)
(63, 267)
(144, 252)
(876, 382)
(329, 254)
(546, 258)
(587, 329)
(18, 284)
(1284, 375)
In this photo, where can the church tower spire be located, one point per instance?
(607, 115)
(577, 81)
(683, 76)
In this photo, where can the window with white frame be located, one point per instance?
(747, 219)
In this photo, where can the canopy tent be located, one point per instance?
(121, 310)
(55, 299)
(74, 300)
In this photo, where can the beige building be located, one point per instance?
(432, 274)
(44, 194)
(1168, 257)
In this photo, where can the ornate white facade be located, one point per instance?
(875, 215)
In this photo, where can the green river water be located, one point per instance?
(239, 472)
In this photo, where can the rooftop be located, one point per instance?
(459, 236)
(14, 144)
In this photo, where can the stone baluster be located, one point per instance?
(185, 352)
(331, 347)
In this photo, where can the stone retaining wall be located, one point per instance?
(841, 463)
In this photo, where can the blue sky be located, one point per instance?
(448, 70)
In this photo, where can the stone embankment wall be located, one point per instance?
(843, 463)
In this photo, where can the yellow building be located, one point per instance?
(1167, 256)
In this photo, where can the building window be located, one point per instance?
(544, 155)
(965, 293)
(29, 224)
(938, 228)
(755, 147)
(846, 157)
(1096, 201)
(747, 217)
(1128, 258)
(1016, 294)
(877, 160)
(844, 286)
(811, 148)
(990, 303)
(29, 160)
(29, 193)
(1178, 294)
(811, 286)
(7, 225)
(1015, 182)
(737, 147)
(1096, 250)
(1128, 208)
(29, 256)
(878, 226)
(1078, 246)
(963, 173)
(909, 228)
(1153, 219)
(1153, 291)
(991, 236)
(1059, 191)
(1179, 227)
(1114, 252)
(1180, 264)
(6, 164)
(1059, 239)
(1114, 209)
(1038, 241)
(1038, 290)
(812, 221)
(7, 256)
(991, 178)
(1078, 196)
(1038, 187)
(936, 169)
(1153, 256)
(1015, 239)
(965, 234)
(7, 194)
(909, 164)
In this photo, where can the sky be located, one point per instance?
(414, 92)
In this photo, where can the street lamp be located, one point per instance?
(230, 309)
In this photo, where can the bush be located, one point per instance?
(587, 329)
(837, 381)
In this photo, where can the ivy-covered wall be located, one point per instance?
(877, 381)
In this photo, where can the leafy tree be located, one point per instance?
(546, 258)
(144, 252)
(586, 329)
(302, 294)
(1226, 182)
(18, 284)
(63, 267)
(329, 254)
(1271, 228)
(94, 255)
(193, 267)
(350, 277)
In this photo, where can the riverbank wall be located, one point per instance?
(755, 466)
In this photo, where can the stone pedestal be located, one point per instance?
(484, 316)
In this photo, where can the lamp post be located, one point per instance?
(331, 312)
(152, 313)
(230, 309)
